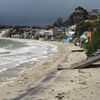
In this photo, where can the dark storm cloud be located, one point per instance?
(40, 12)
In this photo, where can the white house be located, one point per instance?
(5, 33)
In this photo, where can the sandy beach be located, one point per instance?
(45, 82)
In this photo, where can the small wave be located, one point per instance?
(4, 69)
(4, 51)
(19, 53)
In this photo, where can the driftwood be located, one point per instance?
(86, 62)
(81, 64)
(81, 50)
(61, 67)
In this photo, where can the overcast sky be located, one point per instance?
(40, 12)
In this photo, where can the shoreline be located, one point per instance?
(11, 72)
(27, 78)
(45, 82)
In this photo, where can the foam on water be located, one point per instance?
(19, 52)
(34, 51)
(3, 51)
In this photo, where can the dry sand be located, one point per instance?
(45, 82)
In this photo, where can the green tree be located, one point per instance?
(95, 43)
(82, 27)
(80, 14)
(58, 22)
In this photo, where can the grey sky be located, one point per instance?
(40, 12)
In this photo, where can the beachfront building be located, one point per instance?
(48, 34)
(23, 33)
(5, 33)
(43, 34)
(71, 30)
